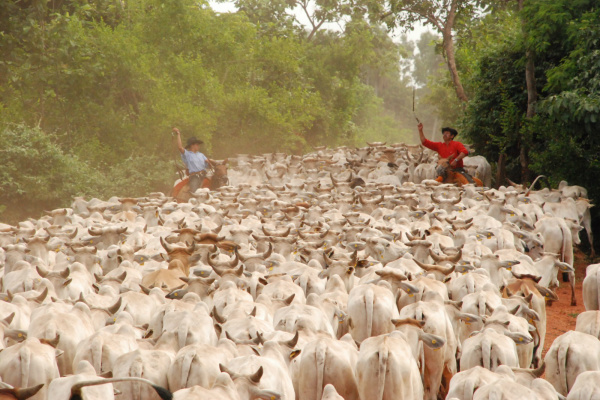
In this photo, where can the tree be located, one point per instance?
(442, 15)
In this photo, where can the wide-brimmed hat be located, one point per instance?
(193, 140)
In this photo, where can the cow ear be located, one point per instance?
(350, 323)
(519, 338)
(295, 354)
(218, 329)
(431, 341)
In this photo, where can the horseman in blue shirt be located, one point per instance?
(196, 162)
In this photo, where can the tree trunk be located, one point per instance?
(531, 100)
(501, 170)
(451, 61)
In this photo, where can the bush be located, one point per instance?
(36, 174)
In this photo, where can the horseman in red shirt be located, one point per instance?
(449, 149)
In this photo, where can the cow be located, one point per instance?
(591, 287)
(326, 361)
(386, 368)
(571, 354)
(30, 363)
(370, 311)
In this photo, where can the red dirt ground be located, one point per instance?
(561, 316)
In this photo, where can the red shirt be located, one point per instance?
(447, 150)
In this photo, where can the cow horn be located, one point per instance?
(268, 252)
(121, 277)
(191, 248)
(292, 342)
(289, 299)
(219, 318)
(408, 321)
(431, 267)
(534, 182)
(511, 182)
(22, 394)
(534, 278)
(41, 271)
(353, 259)
(233, 263)
(145, 290)
(228, 336)
(223, 368)
(6, 321)
(42, 296)
(257, 375)
(115, 307)
(166, 245)
(72, 235)
(65, 273)
(95, 231)
(120, 231)
(52, 342)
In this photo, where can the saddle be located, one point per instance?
(459, 176)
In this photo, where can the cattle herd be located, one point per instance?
(340, 274)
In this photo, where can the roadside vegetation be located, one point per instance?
(89, 91)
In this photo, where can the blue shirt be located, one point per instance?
(195, 162)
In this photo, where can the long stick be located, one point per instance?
(415, 114)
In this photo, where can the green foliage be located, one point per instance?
(34, 171)
(104, 82)
(571, 110)
(562, 138)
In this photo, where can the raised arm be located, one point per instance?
(179, 145)
(421, 134)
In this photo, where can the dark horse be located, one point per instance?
(212, 181)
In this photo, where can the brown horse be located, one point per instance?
(181, 189)
(445, 174)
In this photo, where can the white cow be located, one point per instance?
(327, 361)
(586, 386)
(571, 354)
(591, 287)
(29, 363)
(387, 370)
(370, 310)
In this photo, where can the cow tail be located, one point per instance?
(469, 388)
(482, 307)
(186, 367)
(320, 356)
(597, 299)
(304, 283)
(470, 284)
(25, 355)
(486, 353)
(96, 350)
(419, 314)
(136, 370)
(182, 332)
(369, 302)
(562, 358)
(596, 325)
(383, 360)
(565, 243)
